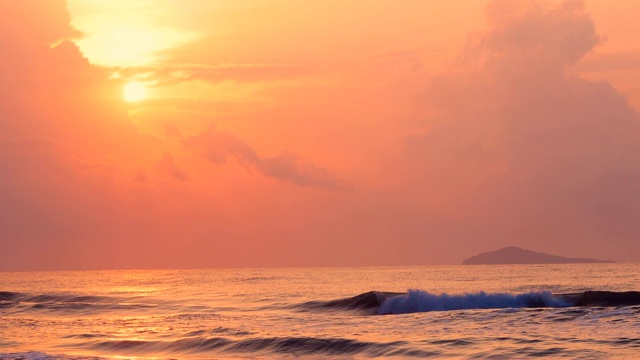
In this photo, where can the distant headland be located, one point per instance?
(517, 255)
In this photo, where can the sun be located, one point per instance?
(134, 91)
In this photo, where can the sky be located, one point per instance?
(281, 133)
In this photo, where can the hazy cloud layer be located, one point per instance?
(523, 151)
(175, 74)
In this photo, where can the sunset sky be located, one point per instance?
(233, 133)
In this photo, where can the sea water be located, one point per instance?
(497, 312)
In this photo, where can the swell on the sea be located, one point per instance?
(370, 303)
(258, 345)
(230, 341)
(67, 303)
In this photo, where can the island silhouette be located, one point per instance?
(518, 255)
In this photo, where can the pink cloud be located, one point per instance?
(166, 165)
(217, 147)
(522, 151)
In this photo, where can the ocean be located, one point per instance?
(455, 312)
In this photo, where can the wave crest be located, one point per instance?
(421, 301)
(366, 302)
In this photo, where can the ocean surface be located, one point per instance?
(479, 312)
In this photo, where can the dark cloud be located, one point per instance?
(537, 35)
(166, 165)
(34, 23)
(218, 146)
(622, 60)
(290, 167)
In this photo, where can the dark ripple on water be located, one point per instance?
(510, 347)
(67, 304)
(85, 336)
(219, 331)
(273, 345)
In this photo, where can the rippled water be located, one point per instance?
(307, 313)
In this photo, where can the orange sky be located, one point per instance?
(316, 133)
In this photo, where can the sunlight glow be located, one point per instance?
(124, 33)
(134, 91)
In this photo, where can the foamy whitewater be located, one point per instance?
(503, 312)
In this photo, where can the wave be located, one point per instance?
(64, 298)
(275, 345)
(384, 303)
(65, 303)
(37, 355)
(422, 301)
(367, 302)
(608, 298)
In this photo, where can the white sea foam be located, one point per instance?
(422, 301)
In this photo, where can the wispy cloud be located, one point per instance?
(219, 146)
(172, 74)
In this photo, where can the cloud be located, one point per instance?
(68, 149)
(621, 60)
(172, 74)
(34, 24)
(521, 151)
(166, 165)
(288, 166)
(218, 146)
(538, 35)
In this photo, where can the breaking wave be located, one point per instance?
(384, 303)
(368, 302)
(421, 301)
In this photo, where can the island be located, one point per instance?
(517, 255)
